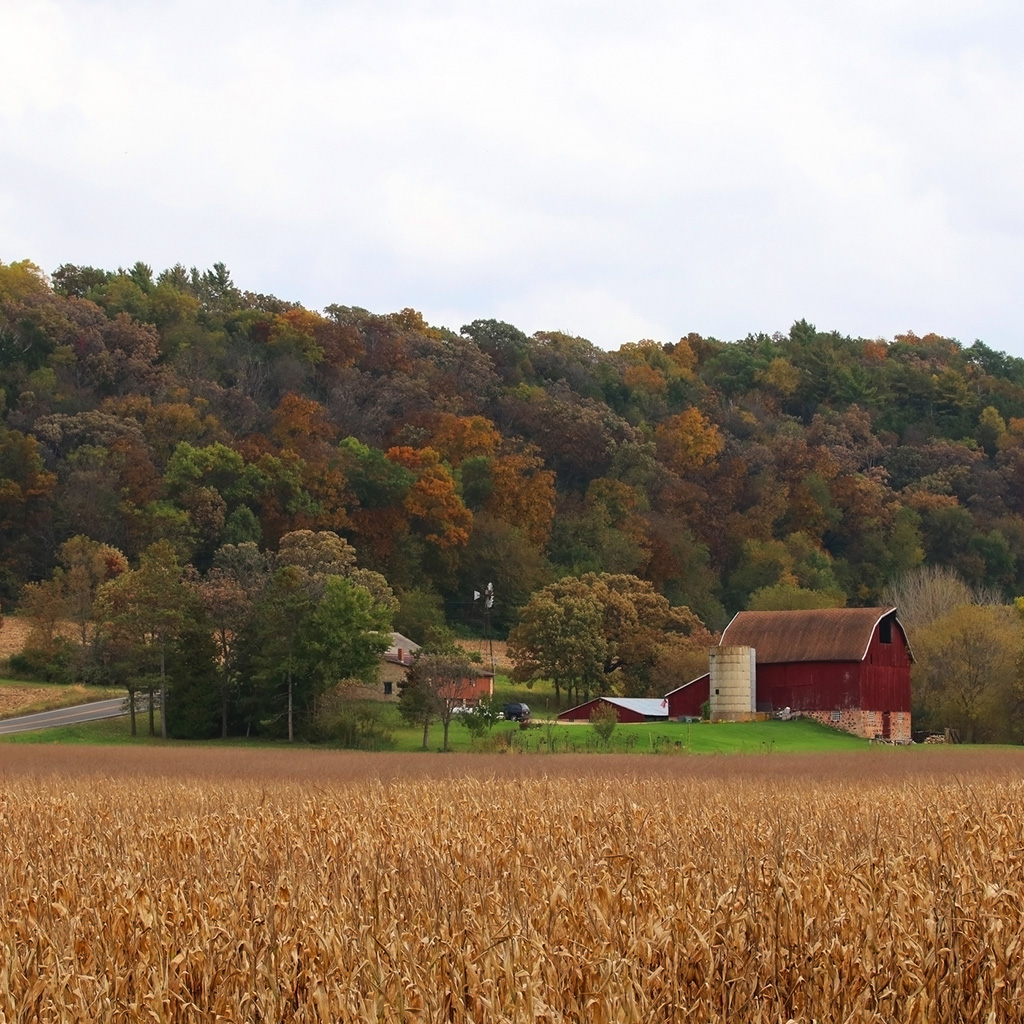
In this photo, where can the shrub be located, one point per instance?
(604, 718)
(54, 663)
(480, 719)
(357, 727)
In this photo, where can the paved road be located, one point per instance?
(90, 712)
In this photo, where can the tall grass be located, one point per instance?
(155, 884)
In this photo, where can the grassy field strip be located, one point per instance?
(544, 737)
(202, 885)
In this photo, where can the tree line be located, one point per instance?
(249, 648)
(174, 416)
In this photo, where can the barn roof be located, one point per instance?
(819, 634)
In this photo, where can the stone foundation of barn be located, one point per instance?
(867, 724)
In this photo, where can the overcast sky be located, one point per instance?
(614, 170)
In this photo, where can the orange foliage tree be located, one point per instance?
(688, 440)
(432, 503)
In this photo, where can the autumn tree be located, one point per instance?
(69, 595)
(88, 564)
(432, 503)
(929, 593)
(966, 672)
(25, 489)
(503, 478)
(688, 441)
(45, 653)
(576, 437)
(680, 658)
(378, 488)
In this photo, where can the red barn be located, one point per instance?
(846, 667)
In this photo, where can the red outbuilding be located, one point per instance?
(627, 709)
(846, 667)
(687, 701)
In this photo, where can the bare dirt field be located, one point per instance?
(333, 767)
(484, 649)
(15, 700)
(13, 633)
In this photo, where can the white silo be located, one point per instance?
(733, 683)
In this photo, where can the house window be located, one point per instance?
(387, 689)
(885, 630)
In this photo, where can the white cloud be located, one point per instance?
(610, 170)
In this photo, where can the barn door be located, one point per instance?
(886, 725)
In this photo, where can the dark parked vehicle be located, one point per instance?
(517, 712)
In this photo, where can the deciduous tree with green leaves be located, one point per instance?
(596, 633)
(141, 613)
(305, 635)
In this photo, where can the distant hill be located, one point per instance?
(777, 470)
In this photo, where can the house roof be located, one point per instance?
(819, 634)
(401, 644)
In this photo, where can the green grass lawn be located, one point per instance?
(544, 736)
(547, 736)
(108, 732)
(651, 738)
(541, 738)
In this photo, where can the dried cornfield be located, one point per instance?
(174, 885)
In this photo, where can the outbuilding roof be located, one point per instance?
(649, 707)
(819, 634)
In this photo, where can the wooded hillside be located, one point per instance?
(776, 470)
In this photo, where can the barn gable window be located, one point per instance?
(885, 630)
